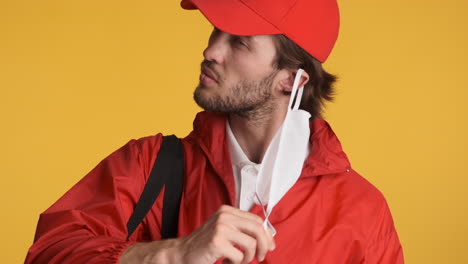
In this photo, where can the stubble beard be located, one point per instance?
(252, 100)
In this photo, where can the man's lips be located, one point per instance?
(209, 73)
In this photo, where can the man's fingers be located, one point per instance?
(255, 230)
(240, 213)
(251, 225)
(247, 243)
(232, 254)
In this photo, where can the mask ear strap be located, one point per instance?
(266, 223)
(295, 90)
(298, 98)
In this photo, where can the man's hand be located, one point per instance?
(230, 233)
(218, 237)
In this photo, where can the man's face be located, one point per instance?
(237, 75)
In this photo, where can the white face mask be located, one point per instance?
(285, 156)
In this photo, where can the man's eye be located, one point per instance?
(239, 41)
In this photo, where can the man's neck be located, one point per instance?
(254, 135)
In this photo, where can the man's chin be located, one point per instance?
(201, 98)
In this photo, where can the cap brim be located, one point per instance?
(232, 16)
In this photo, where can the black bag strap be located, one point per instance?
(168, 170)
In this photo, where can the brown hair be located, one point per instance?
(319, 88)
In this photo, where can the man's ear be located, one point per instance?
(286, 84)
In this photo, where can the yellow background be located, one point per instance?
(78, 79)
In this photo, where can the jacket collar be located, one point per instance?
(326, 154)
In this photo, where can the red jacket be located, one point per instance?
(331, 215)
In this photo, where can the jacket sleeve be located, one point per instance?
(88, 223)
(384, 246)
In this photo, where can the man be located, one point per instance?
(258, 186)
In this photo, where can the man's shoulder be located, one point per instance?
(360, 184)
(365, 186)
(147, 144)
(348, 198)
(354, 190)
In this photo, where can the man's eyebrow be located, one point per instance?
(248, 38)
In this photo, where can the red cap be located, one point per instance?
(311, 24)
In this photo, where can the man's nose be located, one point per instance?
(217, 47)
